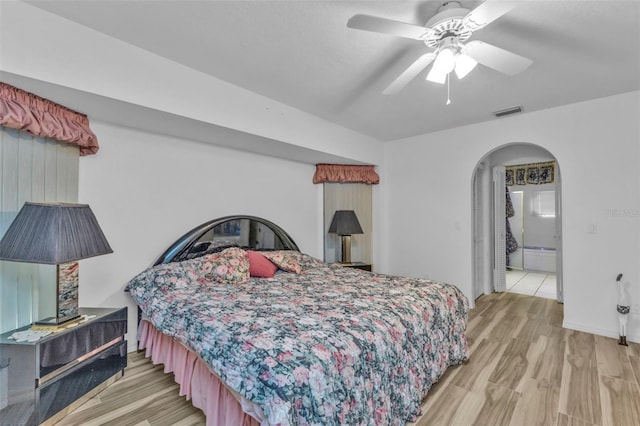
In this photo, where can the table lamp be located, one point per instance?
(345, 223)
(56, 234)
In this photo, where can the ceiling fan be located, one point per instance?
(446, 33)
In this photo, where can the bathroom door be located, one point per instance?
(499, 226)
(558, 240)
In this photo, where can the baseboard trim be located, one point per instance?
(599, 331)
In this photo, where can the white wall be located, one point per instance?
(147, 190)
(597, 145)
(117, 71)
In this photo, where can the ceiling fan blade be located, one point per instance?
(387, 26)
(409, 74)
(486, 13)
(494, 57)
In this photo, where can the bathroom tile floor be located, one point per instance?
(532, 283)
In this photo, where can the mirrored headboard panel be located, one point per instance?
(248, 232)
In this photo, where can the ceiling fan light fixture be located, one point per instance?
(464, 65)
(443, 65)
(436, 77)
(446, 34)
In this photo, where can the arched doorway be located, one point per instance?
(487, 263)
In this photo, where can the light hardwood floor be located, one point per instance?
(524, 369)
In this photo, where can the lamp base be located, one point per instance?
(67, 291)
(346, 249)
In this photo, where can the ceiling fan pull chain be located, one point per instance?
(448, 83)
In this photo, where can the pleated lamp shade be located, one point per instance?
(345, 222)
(53, 233)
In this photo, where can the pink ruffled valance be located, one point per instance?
(340, 173)
(41, 117)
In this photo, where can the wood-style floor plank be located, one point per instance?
(537, 405)
(474, 375)
(580, 390)
(524, 369)
(564, 420)
(613, 359)
(512, 365)
(635, 366)
(620, 402)
(550, 363)
(444, 408)
(499, 405)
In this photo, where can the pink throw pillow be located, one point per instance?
(260, 266)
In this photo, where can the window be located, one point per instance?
(544, 203)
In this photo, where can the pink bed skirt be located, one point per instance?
(221, 406)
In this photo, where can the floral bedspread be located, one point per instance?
(327, 346)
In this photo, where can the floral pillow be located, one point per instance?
(287, 260)
(168, 277)
(230, 266)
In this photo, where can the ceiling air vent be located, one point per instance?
(507, 111)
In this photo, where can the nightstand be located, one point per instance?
(41, 381)
(357, 265)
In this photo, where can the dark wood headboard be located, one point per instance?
(247, 232)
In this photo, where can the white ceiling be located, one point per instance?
(301, 53)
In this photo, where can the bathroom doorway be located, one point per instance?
(536, 264)
(531, 260)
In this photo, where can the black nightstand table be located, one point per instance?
(47, 378)
(357, 265)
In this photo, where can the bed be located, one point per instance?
(257, 332)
